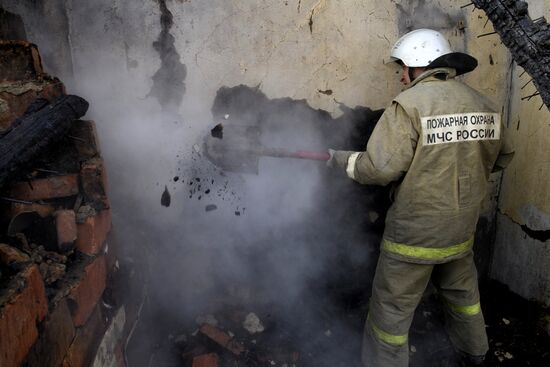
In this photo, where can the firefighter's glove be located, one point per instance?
(338, 158)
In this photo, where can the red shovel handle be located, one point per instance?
(318, 156)
(300, 154)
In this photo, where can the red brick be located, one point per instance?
(85, 344)
(86, 293)
(93, 233)
(206, 360)
(19, 317)
(55, 338)
(222, 339)
(9, 255)
(93, 181)
(46, 188)
(85, 138)
(65, 221)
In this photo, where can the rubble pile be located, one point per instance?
(234, 337)
(54, 217)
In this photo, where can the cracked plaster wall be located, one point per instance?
(521, 261)
(290, 48)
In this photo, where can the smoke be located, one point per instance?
(292, 241)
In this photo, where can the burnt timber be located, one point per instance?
(527, 40)
(42, 125)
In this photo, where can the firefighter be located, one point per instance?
(436, 143)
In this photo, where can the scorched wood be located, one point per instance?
(43, 124)
(527, 40)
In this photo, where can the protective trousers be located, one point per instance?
(397, 289)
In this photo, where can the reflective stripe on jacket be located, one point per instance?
(438, 142)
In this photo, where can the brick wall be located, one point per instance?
(54, 261)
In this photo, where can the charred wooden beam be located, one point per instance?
(528, 40)
(43, 124)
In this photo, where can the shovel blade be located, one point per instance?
(231, 149)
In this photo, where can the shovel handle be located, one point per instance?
(300, 154)
(317, 156)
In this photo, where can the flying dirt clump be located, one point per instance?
(165, 198)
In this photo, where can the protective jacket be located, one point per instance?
(437, 142)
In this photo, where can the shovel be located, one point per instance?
(237, 148)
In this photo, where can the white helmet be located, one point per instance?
(420, 48)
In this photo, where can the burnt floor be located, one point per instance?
(329, 335)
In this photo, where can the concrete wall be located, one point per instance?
(522, 248)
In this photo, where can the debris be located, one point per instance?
(413, 349)
(328, 333)
(165, 198)
(506, 321)
(507, 355)
(217, 131)
(196, 148)
(210, 207)
(252, 324)
(193, 352)
(85, 211)
(9, 255)
(51, 272)
(206, 319)
(222, 339)
(206, 360)
(180, 340)
(226, 116)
